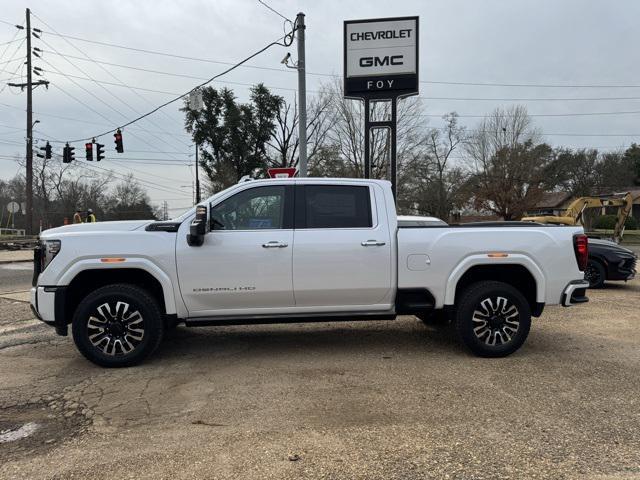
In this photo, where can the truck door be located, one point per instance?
(244, 264)
(342, 248)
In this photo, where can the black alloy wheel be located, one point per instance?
(492, 318)
(595, 274)
(117, 325)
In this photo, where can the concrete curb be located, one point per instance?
(16, 261)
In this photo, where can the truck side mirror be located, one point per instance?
(199, 226)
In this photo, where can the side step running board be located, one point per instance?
(294, 318)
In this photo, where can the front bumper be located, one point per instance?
(624, 269)
(575, 293)
(47, 304)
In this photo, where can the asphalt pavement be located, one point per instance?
(15, 276)
(363, 400)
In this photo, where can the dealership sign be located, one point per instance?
(381, 57)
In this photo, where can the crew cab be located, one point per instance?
(300, 250)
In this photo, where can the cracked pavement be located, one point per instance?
(337, 400)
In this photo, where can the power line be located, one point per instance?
(71, 119)
(123, 164)
(164, 54)
(433, 82)
(112, 76)
(531, 99)
(147, 183)
(573, 114)
(274, 11)
(94, 111)
(8, 23)
(99, 99)
(7, 43)
(13, 57)
(528, 85)
(160, 72)
(194, 77)
(287, 38)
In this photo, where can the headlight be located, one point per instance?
(50, 249)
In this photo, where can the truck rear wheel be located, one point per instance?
(492, 319)
(117, 325)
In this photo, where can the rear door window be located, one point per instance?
(336, 206)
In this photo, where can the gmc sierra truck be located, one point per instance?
(300, 250)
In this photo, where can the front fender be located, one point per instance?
(484, 259)
(128, 262)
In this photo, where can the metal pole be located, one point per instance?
(394, 101)
(367, 148)
(302, 94)
(197, 176)
(29, 175)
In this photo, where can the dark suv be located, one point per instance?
(608, 261)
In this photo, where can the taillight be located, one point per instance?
(581, 249)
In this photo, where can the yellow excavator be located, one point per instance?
(573, 215)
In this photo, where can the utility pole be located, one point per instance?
(197, 176)
(302, 94)
(29, 175)
(29, 154)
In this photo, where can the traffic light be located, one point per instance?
(88, 148)
(99, 152)
(118, 141)
(67, 154)
(47, 152)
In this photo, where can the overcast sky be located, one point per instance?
(542, 42)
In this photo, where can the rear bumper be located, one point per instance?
(575, 293)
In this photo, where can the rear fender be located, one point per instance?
(484, 259)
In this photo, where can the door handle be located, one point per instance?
(372, 243)
(275, 244)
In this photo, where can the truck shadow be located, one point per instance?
(383, 338)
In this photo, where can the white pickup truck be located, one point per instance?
(300, 250)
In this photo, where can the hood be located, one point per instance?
(125, 225)
(608, 245)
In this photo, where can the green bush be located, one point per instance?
(608, 222)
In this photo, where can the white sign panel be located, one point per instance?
(381, 56)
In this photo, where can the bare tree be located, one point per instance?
(285, 142)
(436, 180)
(345, 137)
(509, 165)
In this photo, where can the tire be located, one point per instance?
(117, 326)
(492, 319)
(595, 274)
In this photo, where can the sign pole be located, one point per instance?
(393, 134)
(367, 138)
(381, 63)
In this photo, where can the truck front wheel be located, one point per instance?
(117, 325)
(492, 319)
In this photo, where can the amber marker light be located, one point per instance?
(112, 260)
(497, 255)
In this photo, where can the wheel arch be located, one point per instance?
(525, 276)
(88, 279)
